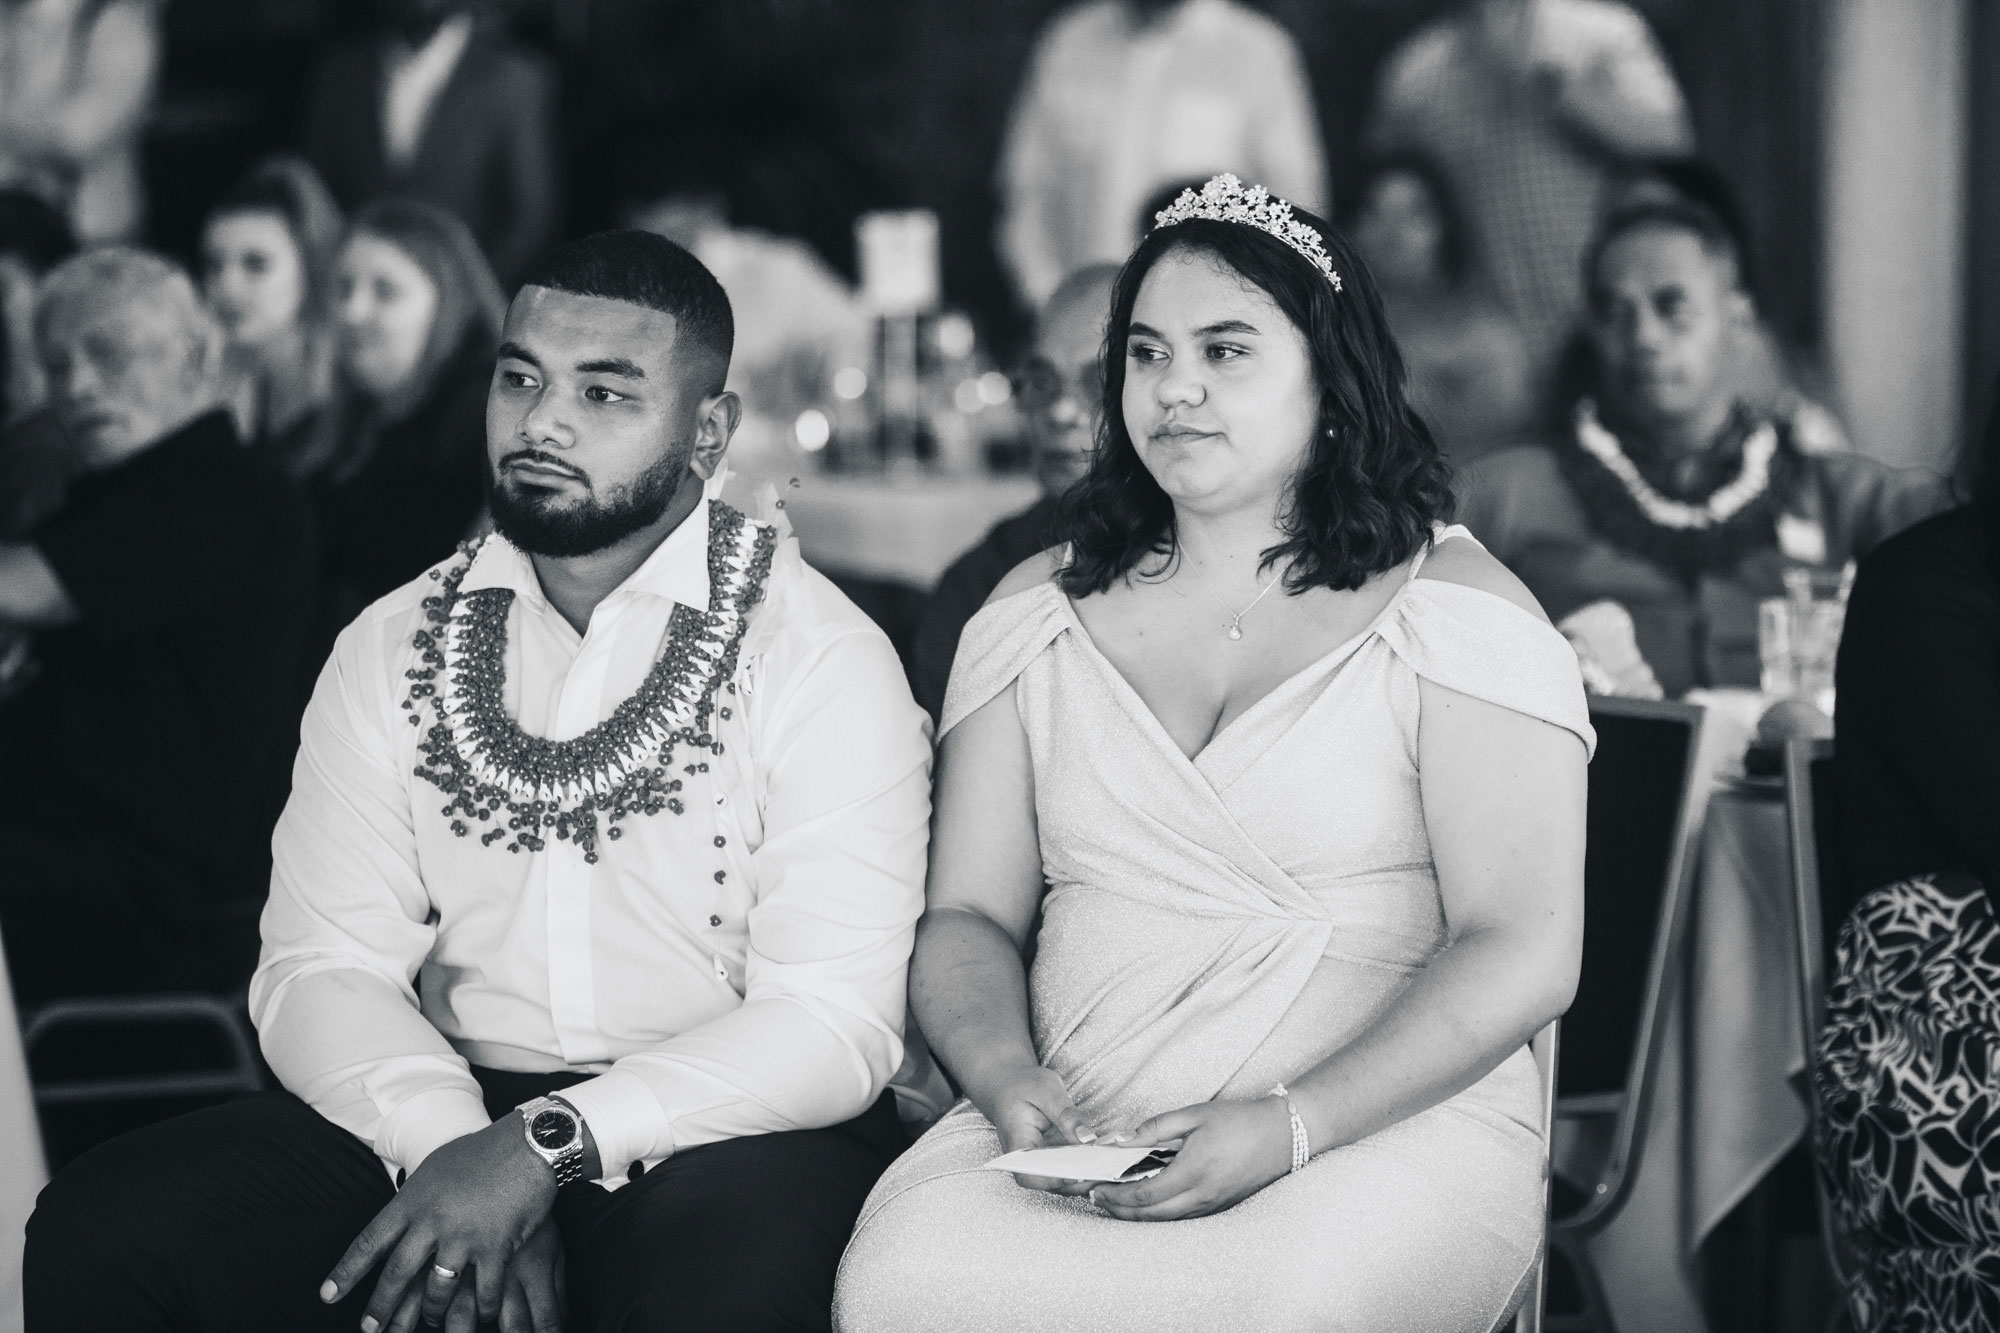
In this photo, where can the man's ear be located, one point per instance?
(715, 424)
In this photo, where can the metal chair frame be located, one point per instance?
(222, 1014)
(1546, 1048)
(1570, 1235)
(1802, 828)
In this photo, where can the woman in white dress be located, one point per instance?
(1298, 867)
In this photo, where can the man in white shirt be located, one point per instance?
(1126, 97)
(1532, 108)
(625, 803)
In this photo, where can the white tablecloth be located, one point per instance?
(898, 529)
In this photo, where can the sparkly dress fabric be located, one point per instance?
(1213, 926)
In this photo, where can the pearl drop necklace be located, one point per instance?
(1235, 626)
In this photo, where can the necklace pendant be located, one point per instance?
(1235, 631)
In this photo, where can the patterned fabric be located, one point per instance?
(1528, 133)
(1909, 1092)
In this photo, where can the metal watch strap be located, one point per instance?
(567, 1162)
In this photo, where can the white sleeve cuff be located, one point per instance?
(626, 1120)
(426, 1122)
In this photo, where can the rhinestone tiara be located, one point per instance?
(1224, 199)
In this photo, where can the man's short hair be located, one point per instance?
(123, 275)
(1710, 231)
(651, 271)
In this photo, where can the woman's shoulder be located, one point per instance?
(1023, 616)
(1460, 561)
(1038, 570)
(1469, 625)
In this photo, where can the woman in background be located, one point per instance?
(402, 478)
(1909, 1120)
(1299, 867)
(267, 256)
(1467, 364)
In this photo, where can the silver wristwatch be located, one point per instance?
(555, 1133)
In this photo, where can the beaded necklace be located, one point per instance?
(486, 764)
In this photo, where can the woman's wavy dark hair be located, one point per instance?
(1372, 484)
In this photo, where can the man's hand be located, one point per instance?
(469, 1208)
(535, 1297)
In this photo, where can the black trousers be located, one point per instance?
(230, 1218)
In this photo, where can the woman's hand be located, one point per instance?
(1031, 1108)
(1229, 1151)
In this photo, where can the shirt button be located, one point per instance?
(721, 799)
(721, 841)
(721, 875)
(715, 921)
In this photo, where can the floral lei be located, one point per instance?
(1738, 516)
(486, 764)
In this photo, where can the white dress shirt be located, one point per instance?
(736, 969)
(1112, 113)
(412, 79)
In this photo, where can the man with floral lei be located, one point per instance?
(583, 965)
(1664, 493)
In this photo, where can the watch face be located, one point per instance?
(553, 1130)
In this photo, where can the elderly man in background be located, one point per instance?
(1671, 494)
(1059, 389)
(161, 610)
(1531, 107)
(1126, 97)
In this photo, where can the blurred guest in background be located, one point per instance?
(268, 254)
(1468, 369)
(797, 320)
(432, 107)
(36, 462)
(1125, 96)
(1769, 375)
(76, 82)
(1529, 106)
(1059, 389)
(1913, 1008)
(402, 478)
(164, 594)
(1669, 494)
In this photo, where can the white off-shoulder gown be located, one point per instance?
(1214, 926)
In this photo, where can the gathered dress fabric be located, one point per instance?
(1213, 926)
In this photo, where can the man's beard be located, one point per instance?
(546, 524)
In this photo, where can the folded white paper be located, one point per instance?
(1088, 1161)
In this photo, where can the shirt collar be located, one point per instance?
(676, 571)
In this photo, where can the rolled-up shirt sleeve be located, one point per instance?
(844, 758)
(348, 924)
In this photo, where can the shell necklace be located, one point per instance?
(525, 788)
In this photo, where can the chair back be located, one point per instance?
(1545, 1047)
(1642, 811)
(1812, 818)
(1815, 854)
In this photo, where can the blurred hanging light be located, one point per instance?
(850, 382)
(812, 430)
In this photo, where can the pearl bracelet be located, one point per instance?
(1301, 1150)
